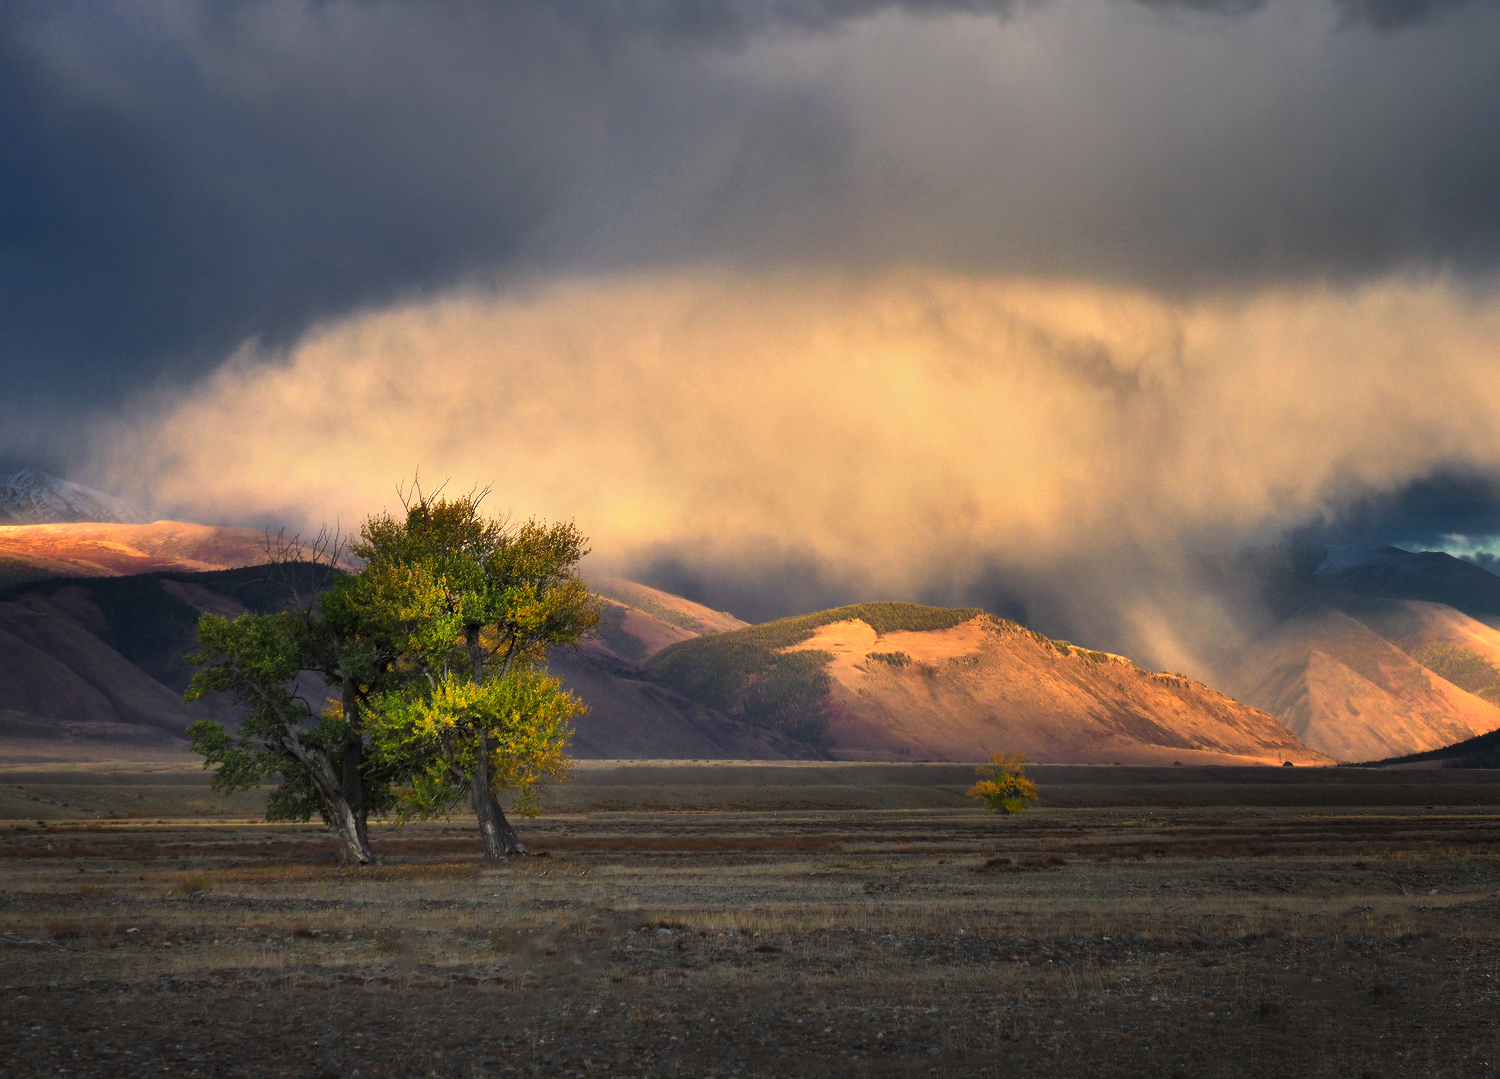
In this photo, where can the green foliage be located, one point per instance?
(893, 659)
(474, 605)
(1003, 786)
(786, 695)
(1462, 666)
(432, 655)
(744, 672)
(256, 659)
(524, 716)
(455, 569)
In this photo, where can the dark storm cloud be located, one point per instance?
(177, 179)
(171, 191)
(1436, 512)
(1394, 14)
(1383, 14)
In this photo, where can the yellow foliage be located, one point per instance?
(523, 718)
(1003, 787)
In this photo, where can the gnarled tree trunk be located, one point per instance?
(354, 848)
(353, 765)
(500, 839)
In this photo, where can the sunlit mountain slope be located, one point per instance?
(894, 681)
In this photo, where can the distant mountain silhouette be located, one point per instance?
(1435, 576)
(1292, 577)
(1374, 652)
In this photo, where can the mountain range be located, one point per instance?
(898, 681)
(1373, 652)
(93, 662)
(1376, 569)
(97, 660)
(39, 551)
(94, 625)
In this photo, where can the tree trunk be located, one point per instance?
(354, 848)
(354, 765)
(500, 839)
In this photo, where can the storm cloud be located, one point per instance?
(780, 442)
(1019, 303)
(180, 179)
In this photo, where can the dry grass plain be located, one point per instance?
(758, 920)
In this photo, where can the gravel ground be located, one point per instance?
(1089, 943)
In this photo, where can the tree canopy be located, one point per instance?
(478, 715)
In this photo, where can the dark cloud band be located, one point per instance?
(175, 180)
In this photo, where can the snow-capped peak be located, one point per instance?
(32, 497)
(1346, 556)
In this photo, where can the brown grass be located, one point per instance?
(62, 929)
(193, 882)
(1020, 865)
(1218, 942)
(695, 844)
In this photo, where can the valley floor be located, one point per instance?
(1186, 941)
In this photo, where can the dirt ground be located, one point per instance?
(1071, 941)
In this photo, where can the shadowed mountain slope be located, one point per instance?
(639, 621)
(1461, 649)
(89, 660)
(1345, 689)
(91, 664)
(631, 716)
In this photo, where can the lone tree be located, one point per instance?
(479, 717)
(431, 664)
(1004, 787)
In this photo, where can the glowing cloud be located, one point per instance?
(902, 429)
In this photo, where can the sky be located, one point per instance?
(1027, 304)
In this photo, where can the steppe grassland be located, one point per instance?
(894, 941)
(1207, 941)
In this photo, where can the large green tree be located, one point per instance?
(420, 679)
(480, 718)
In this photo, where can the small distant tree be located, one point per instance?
(1003, 786)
